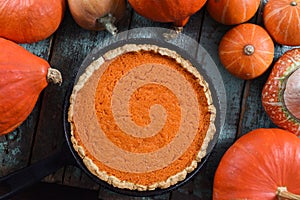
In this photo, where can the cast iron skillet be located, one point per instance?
(14, 182)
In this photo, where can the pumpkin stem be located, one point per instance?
(54, 76)
(283, 193)
(108, 22)
(249, 49)
(293, 3)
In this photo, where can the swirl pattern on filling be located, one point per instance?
(141, 117)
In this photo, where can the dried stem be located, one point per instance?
(108, 22)
(249, 49)
(283, 193)
(54, 76)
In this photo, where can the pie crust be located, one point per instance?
(134, 161)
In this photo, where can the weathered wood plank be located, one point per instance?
(105, 194)
(73, 176)
(211, 34)
(69, 50)
(49, 191)
(253, 115)
(72, 44)
(15, 147)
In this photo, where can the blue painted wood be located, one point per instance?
(253, 115)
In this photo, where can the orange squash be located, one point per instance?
(22, 77)
(281, 92)
(282, 21)
(246, 51)
(176, 11)
(262, 164)
(25, 21)
(97, 15)
(232, 12)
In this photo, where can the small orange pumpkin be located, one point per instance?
(176, 11)
(246, 51)
(97, 15)
(232, 12)
(22, 77)
(262, 164)
(30, 21)
(282, 21)
(281, 92)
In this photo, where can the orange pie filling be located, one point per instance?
(141, 117)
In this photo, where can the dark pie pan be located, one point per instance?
(16, 181)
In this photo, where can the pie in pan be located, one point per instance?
(141, 117)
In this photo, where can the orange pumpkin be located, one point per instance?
(246, 51)
(281, 92)
(176, 11)
(22, 77)
(262, 164)
(282, 21)
(97, 15)
(30, 21)
(232, 12)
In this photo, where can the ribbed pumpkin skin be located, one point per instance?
(28, 21)
(282, 21)
(257, 164)
(176, 11)
(22, 78)
(230, 12)
(272, 93)
(233, 57)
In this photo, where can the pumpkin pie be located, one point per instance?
(141, 117)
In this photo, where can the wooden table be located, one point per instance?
(42, 133)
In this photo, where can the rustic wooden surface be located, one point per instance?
(42, 133)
